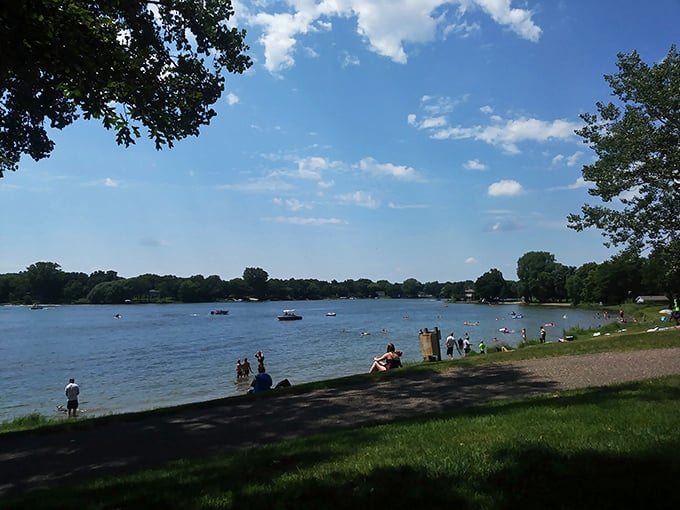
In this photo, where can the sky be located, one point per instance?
(380, 139)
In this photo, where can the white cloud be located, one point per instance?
(232, 98)
(580, 183)
(297, 220)
(110, 183)
(486, 109)
(347, 60)
(474, 164)
(401, 172)
(292, 204)
(570, 160)
(260, 185)
(505, 188)
(359, 198)
(385, 25)
(519, 20)
(503, 133)
(392, 205)
(310, 168)
(470, 260)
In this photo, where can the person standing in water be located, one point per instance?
(72, 390)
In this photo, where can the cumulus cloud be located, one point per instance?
(110, 183)
(359, 198)
(401, 172)
(385, 25)
(507, 187)
(470, 260)
(474, 164)
(232, 98)
(506, 134)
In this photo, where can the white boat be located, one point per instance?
(289, 315)
(330, 314)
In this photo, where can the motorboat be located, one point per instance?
(219, 312)
(289, 315)
(36, 306)
(330, 314)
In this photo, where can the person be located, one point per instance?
(482, 347)
(259, 356)
(72, 390)
(245, 368)
(450, 342)
(459, 346)
(261, 382)
(391, 359)
(239, 369)
(466, 344)
(524, 335)
(542, 335)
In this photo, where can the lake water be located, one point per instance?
(161, 355)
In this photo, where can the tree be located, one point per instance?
(256, 278)
(638, 165)
(532, 270)
(128, 63)
(46, 281)
(490, 285)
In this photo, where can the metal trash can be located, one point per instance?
(429, 344)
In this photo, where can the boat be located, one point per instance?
(289, 315)
(219, 312)
(36, 306)
(330, 314)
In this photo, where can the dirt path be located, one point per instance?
(30, 460)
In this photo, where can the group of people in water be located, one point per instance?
(262, 380)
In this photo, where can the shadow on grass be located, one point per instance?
(295, 475)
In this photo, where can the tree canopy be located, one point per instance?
(127, 63)
(637, 143)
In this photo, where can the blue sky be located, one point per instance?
(381, 139)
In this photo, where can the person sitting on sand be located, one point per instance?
(391, 359)
(262, 381)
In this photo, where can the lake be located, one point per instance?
(161, 355)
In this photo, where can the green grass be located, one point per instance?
(612, 447)
(28, 422)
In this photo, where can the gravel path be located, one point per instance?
(34, 459)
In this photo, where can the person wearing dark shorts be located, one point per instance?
(72, 391)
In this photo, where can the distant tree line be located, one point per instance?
(541, 279)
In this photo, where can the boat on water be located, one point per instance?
(219, 312)
(330, 314)
(36, 306)
(289, 315)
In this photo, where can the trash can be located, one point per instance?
(429, 344)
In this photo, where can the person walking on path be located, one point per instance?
(450, 342)
(72, 390)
